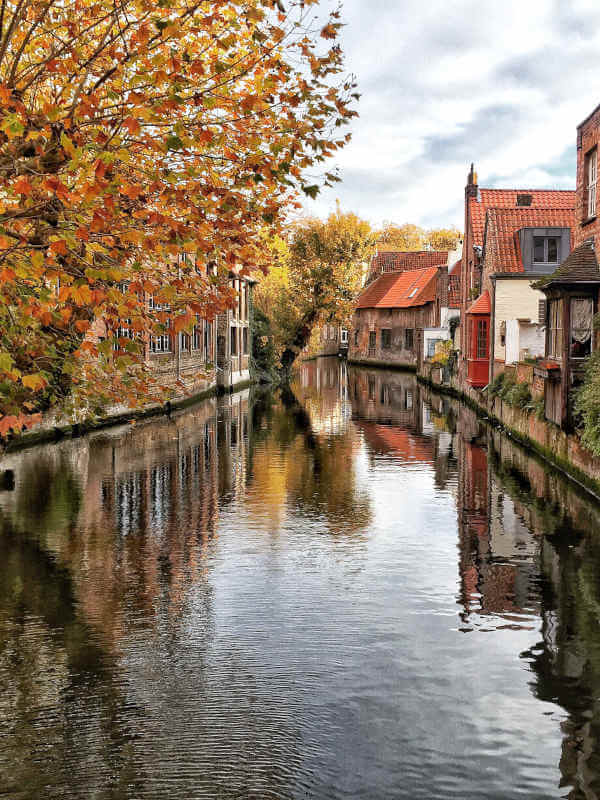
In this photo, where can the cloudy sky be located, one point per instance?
(502, 83)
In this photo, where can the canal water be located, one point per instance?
(347, 590)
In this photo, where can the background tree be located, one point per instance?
(139, 142)
(317, 275)
(412, 237)
(443, 238)
(401, 237)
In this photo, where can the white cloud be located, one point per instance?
(501, 83)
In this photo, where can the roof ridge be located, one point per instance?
(490, 189)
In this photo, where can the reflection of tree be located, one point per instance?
(320, 478)
(107, 620)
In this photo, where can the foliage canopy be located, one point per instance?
(316, 277)
(139, 142)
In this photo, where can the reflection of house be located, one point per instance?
(384, 396)
(497, 550)
(391, 313)
(501, 228)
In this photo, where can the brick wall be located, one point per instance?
(588, 137)
(397, 321)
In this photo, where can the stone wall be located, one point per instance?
(562, 450)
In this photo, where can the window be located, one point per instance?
(233, 340)
(582, 312)
(123, 332)
(408, 400)
(245, 341)
(344, 336)
(431, 345)
(482, 338)
(591, 177)
(524, 199)
(185, 342)
(197, 337)
(409, 339)
(555, 329)
(372, 340)
(160, 344)
(545, 249)
(207, 341)
(386, 338)
(356, 335)
(542, 312)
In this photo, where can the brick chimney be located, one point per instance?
(471, 188)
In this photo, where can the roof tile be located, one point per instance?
(507, 198)
(400, 289)
(503, 225)
(400, 260)
(483, 305)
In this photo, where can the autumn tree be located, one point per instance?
(401, 237)
(145, 147)
(318, 274)
(443, 238)
(413, 237)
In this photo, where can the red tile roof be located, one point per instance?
(501, 237)
(454, 278)
(400, 289)
(483, 305)
(507, 198)
(398, 261)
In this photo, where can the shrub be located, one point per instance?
(539, 408)
(517, 394)
(496, 385)
(587, 405)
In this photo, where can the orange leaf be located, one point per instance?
(22, 186)
(34, 382)
(59, 247)
(132, 125)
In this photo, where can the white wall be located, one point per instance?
(515, 299)
(520, 336)
(433, 333)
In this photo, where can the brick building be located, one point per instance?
(216, 354)
(572, 291)
(391, 313)
(520, 245)
(401, 261)
(482, 217)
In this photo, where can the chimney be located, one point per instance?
(471, 189)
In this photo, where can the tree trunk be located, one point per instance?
(299, 342)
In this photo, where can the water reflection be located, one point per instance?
(340, 590)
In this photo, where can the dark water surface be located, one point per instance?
(353, 590)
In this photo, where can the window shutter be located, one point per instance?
(542, 312)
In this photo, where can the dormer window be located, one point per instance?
(591, 177)
(524, 199)
(545, 249)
